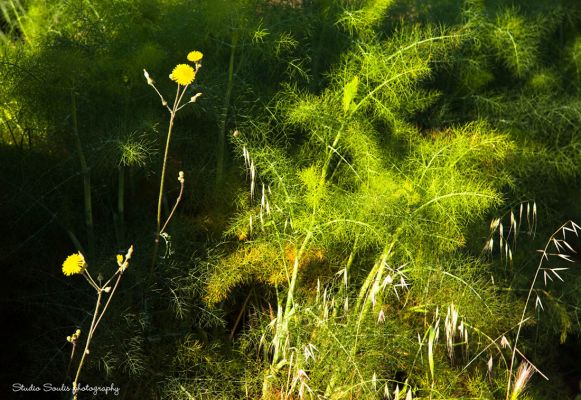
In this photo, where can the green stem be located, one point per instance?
(316, 56)
(164, 166)
(222, 131)
(121, 205)
(330, 153)
(173, 210)
(293, 282)
(162, 180)
(85, 171)
(343, 288)
(283, 315)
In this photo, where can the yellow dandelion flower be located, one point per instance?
(183, 74)
(74, 264)
(195, 56)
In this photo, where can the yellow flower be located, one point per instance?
(74, 264)
(195, 56)
(183, 74)
(119, 259)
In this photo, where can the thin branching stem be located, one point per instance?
(162, 180)
(544, 255)
(87, 343)
(119, 275)
(164, 165)
(177, 202)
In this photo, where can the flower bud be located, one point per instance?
(149, 80)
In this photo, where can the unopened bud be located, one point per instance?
(129, 253)
(107, 289)
(195, 97)
(149, 80)
(181, 178)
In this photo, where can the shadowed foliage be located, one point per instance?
(363, 187)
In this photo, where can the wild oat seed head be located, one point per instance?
(381, 317)
(504, 342)
(74, 264)
(523, 374)
(195, 56)
(183, 74)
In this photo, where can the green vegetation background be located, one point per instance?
(342, 168)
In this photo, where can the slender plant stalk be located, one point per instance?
(343, 288)
(222, 131)
(284, 314)
(239, 317)
(529, 295)
(162, 180)
(94, 327)
(74, 239)
(165, 155)
(71, 359)
(87, 343)
(98, 313)
(178, 200)
(182, 87)
(86, 173)
(121, 205)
